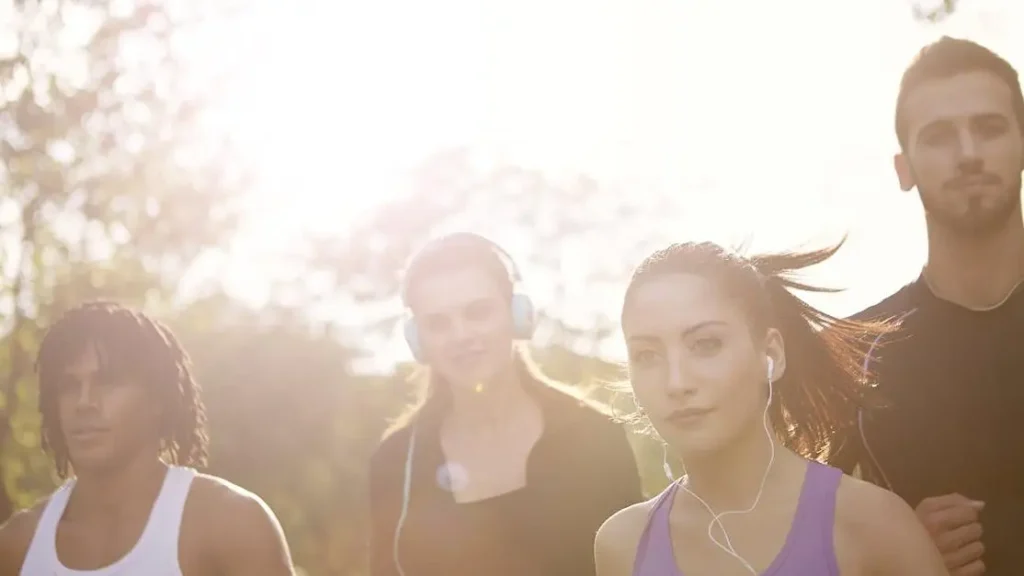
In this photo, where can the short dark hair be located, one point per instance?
(130, 341)
(948, 57)
(824, 384)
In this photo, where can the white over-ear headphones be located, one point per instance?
(524, 317)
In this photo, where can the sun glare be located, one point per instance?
(770, 120)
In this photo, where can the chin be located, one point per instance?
(696, 441)
(474, 380)
(93, 462)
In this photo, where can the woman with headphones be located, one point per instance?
(498, 471)
(747, 384)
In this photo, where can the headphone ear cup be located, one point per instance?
(412, 338)
(524, 316)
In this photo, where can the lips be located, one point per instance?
(87, 432)
(469, 357)
(974, 181)
(688, 416)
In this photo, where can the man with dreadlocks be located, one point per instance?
(122, 417)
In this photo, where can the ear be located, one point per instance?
(904, 172)
(775, 348)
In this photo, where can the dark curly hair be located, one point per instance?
(132, 343)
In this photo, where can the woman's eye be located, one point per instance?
(708, 345)
(641, 356)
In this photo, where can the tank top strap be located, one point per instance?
(42, 551)
(654, 556)
(816, 512)
(162, 532)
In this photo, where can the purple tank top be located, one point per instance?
(808, 551)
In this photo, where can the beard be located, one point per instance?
(979, 221)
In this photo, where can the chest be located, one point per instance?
(98, 545)
(966, 372)
(758, 541)
(136, 545)
(484, 465)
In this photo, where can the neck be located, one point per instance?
(490, 403)
(117, 491)
(976, 273)
(730, 478)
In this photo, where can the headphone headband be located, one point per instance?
(469, 241)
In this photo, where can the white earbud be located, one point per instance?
(716, 519)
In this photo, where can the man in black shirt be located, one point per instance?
(949, 439)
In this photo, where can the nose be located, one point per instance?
(87, 395)
(462, 330)
(970, 157)
(679, 383)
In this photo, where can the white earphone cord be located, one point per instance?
(728, 547)
(406, 492)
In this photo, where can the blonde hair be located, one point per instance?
(434, 394)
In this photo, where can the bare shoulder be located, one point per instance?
(16, 537)
(615, 545)
(236, 528)
(877, 532)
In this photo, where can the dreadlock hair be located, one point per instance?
(129, 342)
(824, 384)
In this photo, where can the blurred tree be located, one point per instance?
(111, 185)
(289, 421)
(934, 11)
(456, 191)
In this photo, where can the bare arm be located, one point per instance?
(249, 539)
(615, 545)
(886, 536)
(15, 538)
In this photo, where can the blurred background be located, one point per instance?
(256, 172)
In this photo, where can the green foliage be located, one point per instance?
(110, 187)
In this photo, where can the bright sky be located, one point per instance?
(770, 119)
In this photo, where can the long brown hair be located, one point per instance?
(824, 384)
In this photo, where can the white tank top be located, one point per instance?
(155, 554)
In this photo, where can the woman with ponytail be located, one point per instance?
(498, 471)
(747, 385)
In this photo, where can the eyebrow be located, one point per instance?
(459, 308)
(988, 117)
(686, 332)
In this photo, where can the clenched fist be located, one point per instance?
(953, 521)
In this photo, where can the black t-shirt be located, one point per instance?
(580, 472)
(953, 381)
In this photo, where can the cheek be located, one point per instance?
(1009, 159)
(132, 407)
(646, 392)
(930, 170)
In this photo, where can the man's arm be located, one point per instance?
(242, 532)
(15, 538)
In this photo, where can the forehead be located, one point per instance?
(666, 305)
(84, 359)
(453, 289)
(960, 96)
